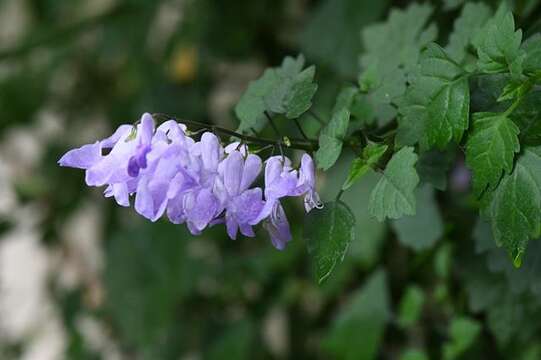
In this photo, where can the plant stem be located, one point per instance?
(298, 144)
(273, 125)
(339, 194)
(300, 129)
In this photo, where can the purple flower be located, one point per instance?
(194, 182)
(307, 184)
(139, 160)
(280, 181)
(242, 205)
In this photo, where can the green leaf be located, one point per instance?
(331, 138)
(339, 19)
(532, 50)
(498, 45)
(435, 109)
(369, 233)
(422, 230)
(515, 90)
(411, 306)
(392, 51)
(433, 167)
(515, 206)
(345, 98)
(358, 330)
(452, 4)
(463, 332)
(414, 354)
(287, 90)
(490, 149)
(398, 41)
(472, 18)
(360, 165)
(394, 195)
(327, 233)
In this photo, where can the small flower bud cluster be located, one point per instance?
(199, 183)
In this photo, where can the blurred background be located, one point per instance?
(81, 278)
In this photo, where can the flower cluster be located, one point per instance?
(199, 183)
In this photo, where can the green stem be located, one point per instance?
(297, 144)
(299, 127)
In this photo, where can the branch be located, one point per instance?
(298, 144)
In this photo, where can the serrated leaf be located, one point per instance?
(359, 328)
(423, 229)
(515, 205)
(331, 138)
(392, 51)
(498, 45)
(472, 18)
(251, 107)
(435, 109)
(448, 113)
(393, 196)
(328, 233)
(299, 98)
(515, 90)
(361, 165)
(398, 41)
(287, 90)
(490, 149)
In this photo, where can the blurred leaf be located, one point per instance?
(394, 196)
(414, 354)
(339, 19)
(471, 20)
(23, 93)
(425, 228)
(357, 331)
(146, 276)
(328, 233)
(331, 138)
(433, 167)
(361, 165)
(453, 4)
(392, 50)
(463, 332)
(532, 49)
(443, 260)
(411, 306)
(235, 343)
(396, 42)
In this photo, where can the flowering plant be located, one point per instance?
(200, 183)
